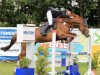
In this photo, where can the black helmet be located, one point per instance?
(70, 9)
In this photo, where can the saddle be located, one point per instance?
(45, 29)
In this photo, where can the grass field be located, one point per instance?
(7, 68)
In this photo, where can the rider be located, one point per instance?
(54, 14)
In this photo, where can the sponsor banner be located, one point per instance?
(25, 33)
(8, 58)
(6, 34)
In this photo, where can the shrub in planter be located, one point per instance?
(23, 69)
(24, 62)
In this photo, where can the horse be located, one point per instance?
(64, 25)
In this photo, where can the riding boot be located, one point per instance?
(49, 27)
(46, 30)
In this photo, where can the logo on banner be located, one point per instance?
(6, 34)
(96, 37)
(28, 32)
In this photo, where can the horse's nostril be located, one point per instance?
(87, 36)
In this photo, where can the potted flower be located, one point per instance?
(75, 59)
(23, 67)
(74, 69)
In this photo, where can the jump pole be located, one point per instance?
(89, 72)
(53, 51)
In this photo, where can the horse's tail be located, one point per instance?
(12, 42)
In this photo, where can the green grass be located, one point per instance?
(98, 71)
(7, 68)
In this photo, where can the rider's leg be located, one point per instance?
(43, 30)
(49, 24)
(50, 20)
(49, 17)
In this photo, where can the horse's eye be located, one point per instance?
(64, 23)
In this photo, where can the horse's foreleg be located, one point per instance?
(23, 51)
(13, 40)
(69, 39)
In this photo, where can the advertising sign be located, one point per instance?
(25, 33)
(6, 34)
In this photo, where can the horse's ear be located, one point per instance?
(85, 22)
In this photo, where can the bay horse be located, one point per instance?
(63, 27)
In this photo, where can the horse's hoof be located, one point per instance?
(66, 42)
(62, 41)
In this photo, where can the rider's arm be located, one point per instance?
(56, 13)
(61, 14)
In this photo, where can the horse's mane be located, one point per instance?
(75, 15)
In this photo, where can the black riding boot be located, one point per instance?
(46, 30)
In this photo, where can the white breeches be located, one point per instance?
(49, 17)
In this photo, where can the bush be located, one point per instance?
(24, 62)
(42, 62)
(94, 62)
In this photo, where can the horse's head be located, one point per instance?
(85, 31)
(84, 27)
(80, 23)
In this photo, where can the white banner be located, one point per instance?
(25, 33)
(6, 34)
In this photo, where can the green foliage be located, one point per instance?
(20, 11)
(4, 24)
(42, 62)
(24, 62)
(95, 60)
(94, 63)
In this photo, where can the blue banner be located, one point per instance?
(6, 34)
(9, 58)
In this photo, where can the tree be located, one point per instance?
(99, 13)
(13, 12)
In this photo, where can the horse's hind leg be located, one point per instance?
(13, 40)
(23, 51)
